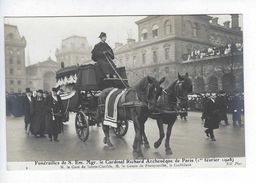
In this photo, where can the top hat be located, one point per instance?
(102, 34)
(28, 90)
(222, 92)
(40, 91)
(55, 89)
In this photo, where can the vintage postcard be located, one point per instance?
(152, 91)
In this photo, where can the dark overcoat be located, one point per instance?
(222, 104)
(211, 114)
(99, 54)
(38, 116)
(236, 106)
(28, 110)
(53, 126)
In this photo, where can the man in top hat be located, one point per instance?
(103, 55)
(54, 113)
(27, 109)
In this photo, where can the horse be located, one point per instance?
(141, 99)
(169, 101)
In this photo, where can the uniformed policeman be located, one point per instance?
(103, 55)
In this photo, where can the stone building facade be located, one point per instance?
(15, 72)
(42, 75)
(74, 50)
(162, 40)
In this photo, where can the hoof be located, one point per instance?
(147, 146)
(111, 147)
(168, 151)
(137, 155)
(157, 144)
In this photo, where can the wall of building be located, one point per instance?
(74, 50)
(42, 75)
(15, 74)
(187, 33)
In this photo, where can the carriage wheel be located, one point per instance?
(122, 128)
(82, 126)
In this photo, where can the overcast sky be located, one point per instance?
(44, 35)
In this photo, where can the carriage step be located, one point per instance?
(133, 104)
(114, 79)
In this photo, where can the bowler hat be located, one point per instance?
(102, 34)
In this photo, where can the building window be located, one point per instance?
(11, 51)
(134, 60)
(83, 45)
(11, 61)
(19, 90)
(18, 61)
(195, 30)
(167, 53)
(155, 57)
(167, 27)
(155, 31)
(19, 82)
(167, 69)
(11, 82)
(144, 34)
(18, 52)
(143, 58)
(10, 36)
(11, 71)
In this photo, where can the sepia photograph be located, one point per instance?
(145, 90)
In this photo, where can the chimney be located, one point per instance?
(226, 24)
(117, 45)
(235, 21)
(215, 20)
(130, 41)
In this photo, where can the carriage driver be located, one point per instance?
(103, 55)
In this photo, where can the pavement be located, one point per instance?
(187, 141)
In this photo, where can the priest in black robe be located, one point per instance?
(103, 55)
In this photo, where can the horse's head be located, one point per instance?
(149, 90)
(183, 85)
(153, 91)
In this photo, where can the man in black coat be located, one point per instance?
(103, 55)
(211, 113)
(236, 107)
(54, 113)
(222, 103)
(38, 115)
(27, 109)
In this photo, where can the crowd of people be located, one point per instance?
(42, 110)
(215, 107)
(213, 51)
